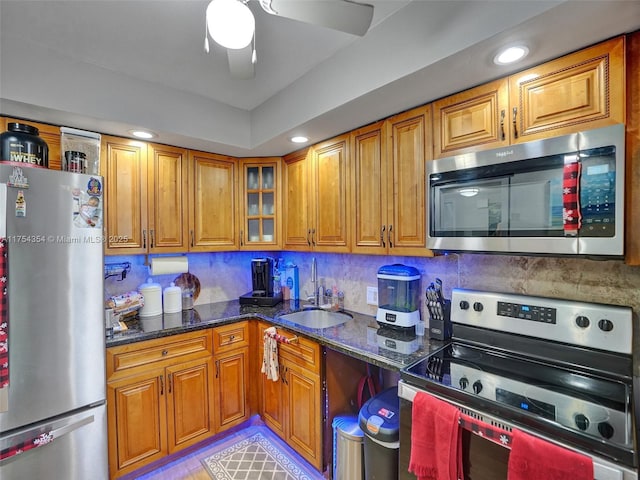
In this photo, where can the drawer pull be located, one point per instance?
(232, 338)
(165, 353)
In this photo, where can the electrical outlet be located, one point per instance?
(372, 295)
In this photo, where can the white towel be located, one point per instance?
(270, 357)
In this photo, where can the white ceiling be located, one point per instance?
(111, 66)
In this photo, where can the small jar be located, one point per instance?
(187, 300)
(21, 144)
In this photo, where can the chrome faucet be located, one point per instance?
(319, 295)
(314, 281)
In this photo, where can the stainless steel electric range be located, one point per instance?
(559, 369)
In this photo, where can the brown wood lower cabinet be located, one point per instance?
(169, 393)
(160, 399)
(292, 406)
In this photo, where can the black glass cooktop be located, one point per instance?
(589, 409)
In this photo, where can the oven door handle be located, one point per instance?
(602, 470)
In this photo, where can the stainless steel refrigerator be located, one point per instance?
(52, 338)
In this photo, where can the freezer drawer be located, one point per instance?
(77, 449)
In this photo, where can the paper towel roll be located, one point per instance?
(167, 265)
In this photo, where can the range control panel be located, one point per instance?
(593, 325)
(527, 312)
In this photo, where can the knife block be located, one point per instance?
(441, 329)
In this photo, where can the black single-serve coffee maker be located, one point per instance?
(262, 281)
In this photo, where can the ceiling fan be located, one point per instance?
(231, 24)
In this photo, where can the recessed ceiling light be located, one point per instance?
(299, 139)
(142, 134)
(510, 55)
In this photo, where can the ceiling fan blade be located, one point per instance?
(344, 15)
(240, 64)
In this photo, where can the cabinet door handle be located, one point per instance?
(170, 381)
(217, 368)
(389, 236)
(313, 237)
(309, 237)
(241, 238)
(502, 115)
(161, 385)
(515, 125)
(382, 230)
(151, 238)
(284, 375)
(144, 239)
(192, 238)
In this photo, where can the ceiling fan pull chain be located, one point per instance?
(206, 35)
(254, 57)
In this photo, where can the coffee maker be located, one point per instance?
(262, 294)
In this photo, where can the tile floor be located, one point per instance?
(189, 465)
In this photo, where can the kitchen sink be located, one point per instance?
(317, 318)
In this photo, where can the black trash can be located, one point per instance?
(379, 419)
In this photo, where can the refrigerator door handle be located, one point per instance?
(35, 438)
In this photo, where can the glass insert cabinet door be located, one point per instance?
(259, 204)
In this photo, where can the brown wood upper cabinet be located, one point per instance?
(579, 91)
(389, 184)
(212, 203)
(316, 197)
(260, 203)
(146, 204)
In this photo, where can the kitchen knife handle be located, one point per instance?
(151, 238)
(384, 227)
(389, 237)
(515, 125)
(144, 239)
(161, 384)
(502, 115)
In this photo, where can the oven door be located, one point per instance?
(483, 459)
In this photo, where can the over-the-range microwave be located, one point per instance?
(558, 196)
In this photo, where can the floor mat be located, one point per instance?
(256, 454)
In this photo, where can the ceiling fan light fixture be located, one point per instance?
(230, 23)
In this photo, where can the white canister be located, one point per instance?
(152, 293)
(172, 299)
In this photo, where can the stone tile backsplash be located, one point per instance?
(226, 276)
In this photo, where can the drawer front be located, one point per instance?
(230, 337)
(301, 351)
(130, 359)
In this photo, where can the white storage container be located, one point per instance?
(152, 293)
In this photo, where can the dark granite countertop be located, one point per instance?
(362, 337)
